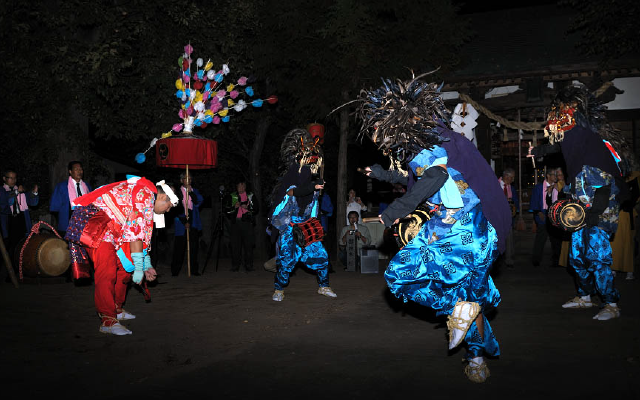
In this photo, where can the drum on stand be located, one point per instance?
(44, 255)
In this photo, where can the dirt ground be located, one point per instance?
(220, 336)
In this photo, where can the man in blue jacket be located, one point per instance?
(67, 191)
(191, 199)
(542, 196)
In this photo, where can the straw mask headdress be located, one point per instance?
(402, 118)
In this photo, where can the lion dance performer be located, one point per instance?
(446, 265)
(296, 213)
(112, 227)
(576, 126)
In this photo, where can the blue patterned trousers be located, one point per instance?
(590, 257)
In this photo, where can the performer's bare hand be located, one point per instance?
(318, 187)
(187, 225)
(382, 222)
(367, 171)
(150, 274)
(237, 205)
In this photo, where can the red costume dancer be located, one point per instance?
(112, 226)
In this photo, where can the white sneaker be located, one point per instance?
(125, 315)
(115, 329)
(609, 311)
(326, 291)
(460, 320)
(630, 276)
(476, 370)
(278, 295)
(579, 302)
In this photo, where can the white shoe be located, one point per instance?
(609, 311)
(630, 276)
(579, 302)
(115, 329)
(278, 295)
(460, 320)
(476, 370)
(125, 315)
(326, 291)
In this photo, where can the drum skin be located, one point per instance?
(408, 227)
(45, 255)
(567, 214)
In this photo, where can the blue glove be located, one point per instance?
(138, 263)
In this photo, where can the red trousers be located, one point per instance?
(111, 281)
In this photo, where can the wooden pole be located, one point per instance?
(519, 167)
(7, 263)
(520, 224)
(186, 212)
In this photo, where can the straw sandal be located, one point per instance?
(326, 291)
(477, 372)
(608, 312)
(460, 320)
(578, 302)
(278, 295)
(124, 315)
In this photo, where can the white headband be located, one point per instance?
(167, 190)
(159, 218)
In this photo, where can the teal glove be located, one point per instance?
(138, 263)
(147, 263)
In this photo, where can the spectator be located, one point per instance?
(558, 234)
(354, 203)
(510, 192)
(623, 243)
(361, 233)
(67, 191)
(543, 195)
(15, 220)
(182, 222)
(241, 209)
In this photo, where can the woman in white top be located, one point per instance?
(355, 204)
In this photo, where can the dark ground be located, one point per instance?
(220, 336)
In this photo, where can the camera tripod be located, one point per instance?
(217, 230)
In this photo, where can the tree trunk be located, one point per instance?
(341, 183)
(262, 127)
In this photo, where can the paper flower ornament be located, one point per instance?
(204, 96)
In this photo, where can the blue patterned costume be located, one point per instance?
(590, 255)
(288, 253)
(451, 256)
(577, 126)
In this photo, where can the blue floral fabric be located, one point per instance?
(450, 258)
(590, 255)
(314, 256)
(591, 258)
(587, 181)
